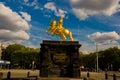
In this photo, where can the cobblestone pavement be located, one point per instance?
(19, 73)
(92, 75)
(101, 75)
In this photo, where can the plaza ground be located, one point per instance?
(18, 73)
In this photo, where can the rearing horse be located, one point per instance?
(58, 29)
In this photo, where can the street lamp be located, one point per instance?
(97, 61)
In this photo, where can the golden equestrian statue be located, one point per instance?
(58, 29)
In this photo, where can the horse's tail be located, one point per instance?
(47, 30)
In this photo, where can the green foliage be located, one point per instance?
(22, 56)
(88, 60)
(108, 59)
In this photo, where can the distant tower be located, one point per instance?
(1, 46)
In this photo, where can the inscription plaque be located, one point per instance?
(60, 59)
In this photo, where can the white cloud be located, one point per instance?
(104, 41)
(26, 16)
(58, 12)
(18, 35)
(30, 44)
(12, 25)
(61, 13)
(51, 6)
(86, 47)
(25, 1)
(84, 8)
(11, 20)
(85, 52)
(98, 37)
(34, 4)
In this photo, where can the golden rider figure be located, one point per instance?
(58, 29)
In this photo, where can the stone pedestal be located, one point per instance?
(59, 58)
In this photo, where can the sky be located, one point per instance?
(92, 22)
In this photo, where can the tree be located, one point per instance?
(22, 56)
(88, 60)
(11, 49)
(110, 59)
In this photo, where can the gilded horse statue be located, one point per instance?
(59, 30)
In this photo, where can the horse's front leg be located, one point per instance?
(70, 35)
(63, 37)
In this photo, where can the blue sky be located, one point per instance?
(90, 21)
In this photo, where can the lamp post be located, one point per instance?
(97, 61)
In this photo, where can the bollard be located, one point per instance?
(114, 77)
(36, 78)
(1, 75)
(28, 74)
(106, 75)
(84, 78)
(80, 72)
(8, 75)
(88, 75)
